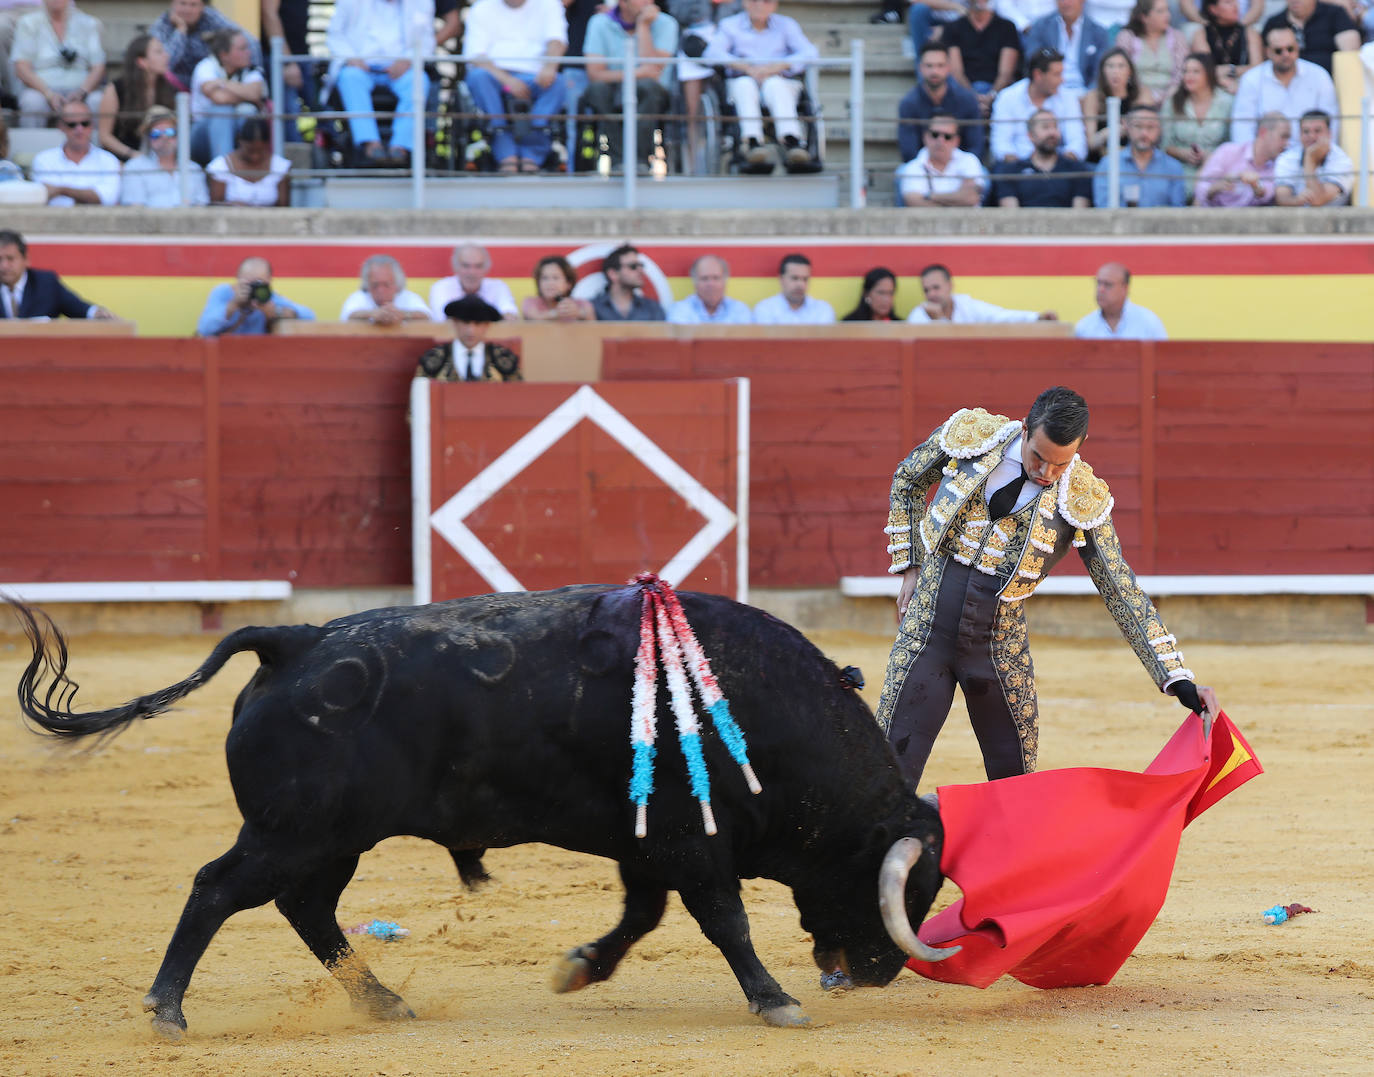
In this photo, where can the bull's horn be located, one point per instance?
(897, 865)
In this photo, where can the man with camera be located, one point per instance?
(249, 305)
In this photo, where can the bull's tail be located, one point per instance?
(46, 693)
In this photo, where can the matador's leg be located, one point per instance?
(1000, 693)
(921, 709)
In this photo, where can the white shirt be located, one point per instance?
(920, 175)
(775, 310)
(240, 191)
(147, 183)
(470, 364)
(493, 290)
(1008, 470)
(1024, 12)
(970, 311)
(504, 34)
(35, 41)
(98, 171)
(11, 297)
(1012, 108)
(1070, 38)
(1136, 323)
(406, 301)
(208, 70)
(355, 23)
(1260, 92)
(1338, 168)
(1109, 13)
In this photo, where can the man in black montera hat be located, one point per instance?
(469, 357)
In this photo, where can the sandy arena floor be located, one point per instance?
(98, 852)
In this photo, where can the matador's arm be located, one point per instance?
(910, 484)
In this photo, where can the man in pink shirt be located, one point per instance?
(1242, 173)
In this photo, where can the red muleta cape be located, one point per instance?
(1063, 871)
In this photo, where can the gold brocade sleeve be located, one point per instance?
(1130, 607)
(910, 484)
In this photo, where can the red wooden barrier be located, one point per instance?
(251, 458)
(1223, 458)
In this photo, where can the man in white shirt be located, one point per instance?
(1116, 317)
(708, 304)
(943, 305)
(510, 36)
(1283, 83)
(365, 39)
(383, 298)
(942, 174)
(1317, 172)
(77, 173)
(792, 306)
(1042, 88)
(471, 263)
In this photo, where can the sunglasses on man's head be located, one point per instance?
(162, 132)
(76, 123)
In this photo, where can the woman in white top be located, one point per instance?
(225, 88)
(151, 177)
(251, 174)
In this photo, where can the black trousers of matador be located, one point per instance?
(967, 647)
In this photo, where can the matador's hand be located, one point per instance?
(907, 589)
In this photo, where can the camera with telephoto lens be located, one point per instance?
(259, 291)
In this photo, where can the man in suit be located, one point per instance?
(470, 357)
(36, 293)
(1013, 497)
(1077, 38)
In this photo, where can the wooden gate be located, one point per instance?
(531, 486)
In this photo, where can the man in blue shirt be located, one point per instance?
(655, 34)
(708, 304)
(1149, 177)
(936, 92)
(249, 305)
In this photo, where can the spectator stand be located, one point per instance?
(369, 189)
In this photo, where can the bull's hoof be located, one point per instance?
(574, 972)
(790, 1015)
(836, 981)
(168, 1021)
(384, 1005)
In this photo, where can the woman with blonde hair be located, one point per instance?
(151, 178)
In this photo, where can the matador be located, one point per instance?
(1011, 497)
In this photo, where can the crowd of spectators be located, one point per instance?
(472, 300)
(975, 129)
(1193, 84)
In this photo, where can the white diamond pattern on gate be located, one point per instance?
(449, 519)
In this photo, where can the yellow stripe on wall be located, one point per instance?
(1310, 308)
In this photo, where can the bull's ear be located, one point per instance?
(600, 652)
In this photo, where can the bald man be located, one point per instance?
(1116, 317)
(471, 264)
(248, 305)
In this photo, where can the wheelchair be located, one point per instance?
(730, 145)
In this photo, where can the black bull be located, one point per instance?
(493, 721)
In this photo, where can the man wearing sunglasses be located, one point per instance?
(1283, 84)
(622, 300)
(77, 173)
(942, 174)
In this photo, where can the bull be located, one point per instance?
(497, 720)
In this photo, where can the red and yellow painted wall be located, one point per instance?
(1205, 288)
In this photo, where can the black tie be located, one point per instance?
(1000, 504)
